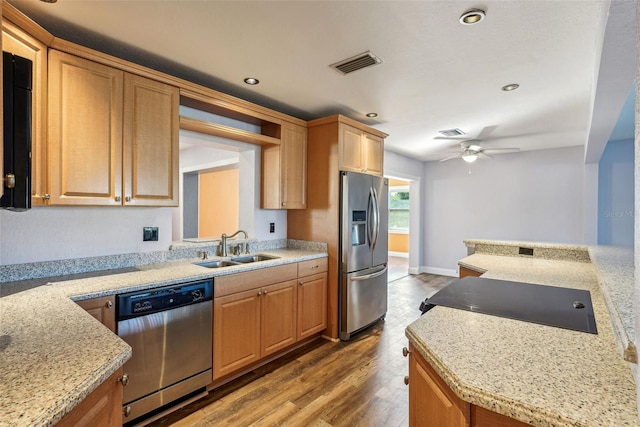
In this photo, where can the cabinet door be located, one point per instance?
(102, 309)
(284, 170)
(278, 325)
(372, 151)
(16, 41)
(293, 175)
(102, 407)
(236, 332)
(150, 141)
(431, 401)
(350, 149)
(312, 305)
(84, 146)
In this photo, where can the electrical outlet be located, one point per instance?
(150, 234)
(272, 227)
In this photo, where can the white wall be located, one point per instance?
(398, 166)
(54, 233)
(615, 194)
(532, 196)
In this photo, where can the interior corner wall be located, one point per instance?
(531, 196)
(616, 194)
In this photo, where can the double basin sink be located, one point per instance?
(247, 259)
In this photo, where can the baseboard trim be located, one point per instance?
(438, 271)
(399, 254)
(414, 270)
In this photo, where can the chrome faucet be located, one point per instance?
(225, 237)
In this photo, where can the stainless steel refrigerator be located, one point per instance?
(363, 251)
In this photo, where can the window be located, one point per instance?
(399, 209)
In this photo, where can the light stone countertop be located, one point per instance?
(537, 374)
(53, 353)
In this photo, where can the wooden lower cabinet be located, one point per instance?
(433, 404)
(312, 305)
(251, 325)
(103, 407)
(464, 272)
(236, 332)
(278, 317)
(103, 309)
(262, 312)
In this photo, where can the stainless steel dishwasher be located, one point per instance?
(170, 332)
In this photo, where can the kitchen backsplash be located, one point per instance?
(177, 251)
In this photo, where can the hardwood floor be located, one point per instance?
(355, 383)
(398, 268)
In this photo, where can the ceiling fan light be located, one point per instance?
(469, 158)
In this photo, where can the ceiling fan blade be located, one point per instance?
(451, 157)
(500, 150)
(482, 155)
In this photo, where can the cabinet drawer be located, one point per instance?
(234, 283)
(313, 266)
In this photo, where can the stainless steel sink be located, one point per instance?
(216, 263)
(252, 258)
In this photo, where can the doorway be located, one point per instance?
(399, 215)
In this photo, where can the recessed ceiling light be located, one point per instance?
(372, 115)
(510, 87)
(472, 16)
(49, 1)
(251, 81)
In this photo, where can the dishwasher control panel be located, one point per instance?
(140, 303)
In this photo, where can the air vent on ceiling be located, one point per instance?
(355, 63)
(451, 132)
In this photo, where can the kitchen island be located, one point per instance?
(539, 375)
(53, 354)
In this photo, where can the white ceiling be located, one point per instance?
(436, 73)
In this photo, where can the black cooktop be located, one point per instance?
(547, 305)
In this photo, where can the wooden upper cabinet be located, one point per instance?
(85, 132)
(359, 151)
(150, 133)
(113, 136)
(284, 170)
(18, 42)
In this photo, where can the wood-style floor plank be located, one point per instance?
(325, 384)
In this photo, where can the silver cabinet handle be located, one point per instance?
(405, 351)
(46, 197)
(406, 380)
(126, 411)
(117, 198)
(109, 304)
(127, 199)
(369, 276)
(124, 379)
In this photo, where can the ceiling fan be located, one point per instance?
(471, 150)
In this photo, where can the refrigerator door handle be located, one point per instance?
(369, 276)
(371, 211)
(376, 208)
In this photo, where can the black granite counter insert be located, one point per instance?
(547, 305)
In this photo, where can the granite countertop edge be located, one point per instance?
(23, 319)
(525, 410)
